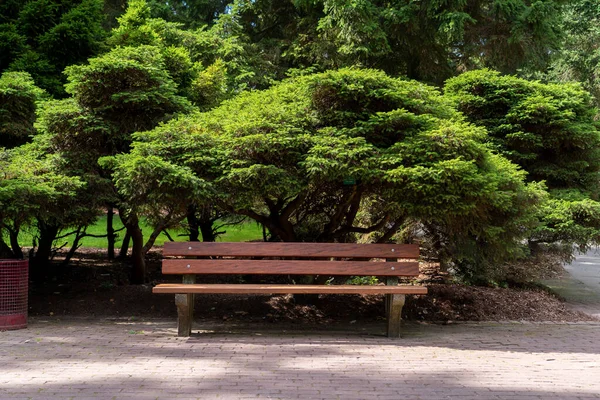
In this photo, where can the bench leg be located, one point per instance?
(185, 313)
(394, 304)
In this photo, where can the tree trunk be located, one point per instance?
(206, 227)
(283, 228)
(152, 238)
(138, 261)
(125, 245)
(78, 236)
(41, 259)
(14, 244)
(110, 233)
(193, 224)
(5, 251)
(137, 256)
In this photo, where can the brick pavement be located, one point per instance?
(96, 359)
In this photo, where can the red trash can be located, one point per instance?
(14, 286)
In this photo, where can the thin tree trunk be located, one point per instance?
(14, 244)
(208, 233)
(78, 236)
(150, 242)
(125, 245)
(41, 259)
(110, 233)
(5, 251)
(192, 221)
(138, 261)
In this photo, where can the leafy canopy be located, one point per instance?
(282, 157)
(19, 97)
(551, 132)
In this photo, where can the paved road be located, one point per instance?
(145, 360)
(581, 286)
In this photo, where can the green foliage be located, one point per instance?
(428, 40)
(550, 131)
(125, 90)
(192, 13)
(42, 37)
(153, 185)
(209, 87)
(362, 280)
(128, 86)
(208, 65)
(577, 59)
(18, 101)
(11, 44)
(31, 186)
(281, 157)
(569, 221)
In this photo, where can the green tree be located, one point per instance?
(191, 13)
(208, 64)
(578, 59)
(19, 97)
(428, 40)
(42, 37)
(32, 190)
(339, 155)
(550, 131)
(122, 92)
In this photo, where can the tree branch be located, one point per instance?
(292, 206)
(390, 232)
(355, 229)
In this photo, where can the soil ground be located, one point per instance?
(91, 286)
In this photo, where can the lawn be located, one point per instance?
(240, 233)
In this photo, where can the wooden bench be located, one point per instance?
(289, 259)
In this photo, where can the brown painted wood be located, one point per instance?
(300, 267)
(176, 288)
(294, 249)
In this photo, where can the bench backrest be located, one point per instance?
(292, 258)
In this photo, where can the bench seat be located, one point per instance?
(175, 288)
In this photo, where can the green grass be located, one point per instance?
(239, 233)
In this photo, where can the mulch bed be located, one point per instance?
(94, 287)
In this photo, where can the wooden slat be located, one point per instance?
(284, 267)
(260, 249)
(176, 288)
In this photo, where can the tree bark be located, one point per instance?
(138, 260)
(152, 238)
(125, 245)
(14, 244)
(208, 233)
(5, 251)
(41, 259)
(78, 236)
(192, 221)
(110, 233)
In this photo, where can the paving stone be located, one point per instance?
(96, 359)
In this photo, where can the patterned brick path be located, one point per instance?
(96, 359)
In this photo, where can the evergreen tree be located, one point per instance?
(42, 37)
(551, 132)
